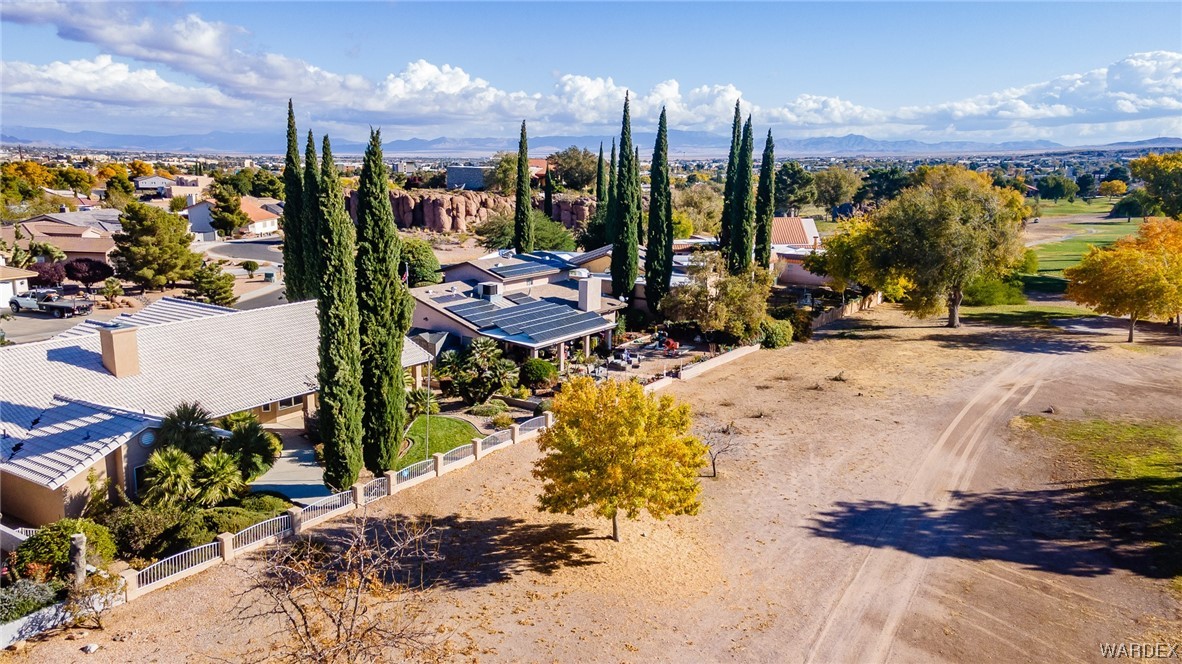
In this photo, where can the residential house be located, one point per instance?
(189, 185)
(90, 400)
(467, 177)
(533, 304)
(79, 201)
(793, 240)
(153, 184)
(13, 280)
(263, 213)
(103, 219)
(74, 241)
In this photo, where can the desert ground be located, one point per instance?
(879, 506)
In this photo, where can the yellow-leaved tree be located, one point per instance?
(1139, 276)
(616, 449)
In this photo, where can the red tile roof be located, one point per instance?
(794, 231)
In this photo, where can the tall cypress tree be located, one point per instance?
(313, 223)
(743, 202)
(765, 203)
(658, 257)
(609, 219)
(548, 200)
(600, 181)
(341, 401)
(639, 194)
(728, 212)
(627, 213)
(523, 231)
(378, 283)
(294, 229)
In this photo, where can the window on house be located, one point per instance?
(266, 408)
(290, 403)
(138, 475)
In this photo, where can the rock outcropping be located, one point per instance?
(460, 211)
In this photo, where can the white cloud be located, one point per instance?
(1143, 90)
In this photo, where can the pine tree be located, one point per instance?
(313, 224)
(627, 213)
(548, 200)
(728, 212)
(658, 257)
(743, 203)
(765, 202)
(153, 249)
(294, 239)
(523, 232)
(211, 284)
(341, 401)
(600, 181)
(378, 291)
(609, 218)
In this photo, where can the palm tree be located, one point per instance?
(169, 477)
(218, 478)
(482, 352)
(255, 447)
(234, 420)
(187, 428)
(420, 402)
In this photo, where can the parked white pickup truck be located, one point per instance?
(50, 301)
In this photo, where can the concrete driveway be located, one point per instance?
(296, 473)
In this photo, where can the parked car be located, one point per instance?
(50, 301)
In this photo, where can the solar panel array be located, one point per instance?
(533, 265)
(538, 320)
(450, 297)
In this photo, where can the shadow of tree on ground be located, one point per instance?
(1087, 529)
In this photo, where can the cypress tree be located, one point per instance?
(378, 292)
(765, 202)
(523, 232)
(743, 202)
(600, 181)
(548, 200)
(313, 223)
(639, 193)
(728, 213)
(609, 219)
(658, 257)
(627, 213)
(341, 401)
(294, 271)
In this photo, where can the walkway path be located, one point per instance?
(296, 473)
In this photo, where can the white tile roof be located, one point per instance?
(164, 310)
(228, 362)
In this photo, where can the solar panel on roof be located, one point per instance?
(520, 298)
(521, 269)
(450, 297)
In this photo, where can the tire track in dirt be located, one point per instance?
(861, 624)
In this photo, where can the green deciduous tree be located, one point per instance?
(341, 399)
(120, 184)
(719, 302)
(765, 196)
(1162, 174)
(153, 249)
(742, 223)
(575, 167)
(1056, 186)
(1086, 182)
(383, 305)
(503, 176)
(626, 204)
(836, 185)
(295, 239)
(658, 259)
(617, 450)
(209, 283)
(523, 232)
(549, 235)
(419, 263)
(794, 188)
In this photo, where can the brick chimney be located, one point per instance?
(590, 291)
(121, 350)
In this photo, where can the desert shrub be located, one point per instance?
(537, 373)
(141, 531)
(989, 292)
(251, 267)
(489, 409)
(502, 421)
(544, 406)
(230, 519)
(776, 333)
(51, 546)
(24, 597)
(801, 320)
(518, 392)
(1029, 264)
(266, 504)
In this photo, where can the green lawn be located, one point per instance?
(1053, 257)
(1049, 208)
(447, 433)
(1022, 315)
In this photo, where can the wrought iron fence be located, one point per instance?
(495, 439)
(279, 526)
(334, 503)
(416, 470)
(175, 564)
(375, 489)
(533, 424)
(456, 454)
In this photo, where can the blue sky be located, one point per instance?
(1074, 73)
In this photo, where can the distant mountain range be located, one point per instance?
(683, 144)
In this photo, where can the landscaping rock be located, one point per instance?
(18, 646)
(90, 648)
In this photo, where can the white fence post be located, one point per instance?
(391, 482)
(296, 513)
(131, 583)
(514, 434)
(226, 545)
(476, 448)
(358, 494)
(438, 464)
(549, 419)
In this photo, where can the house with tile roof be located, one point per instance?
(74, 241)
(13, 280)
(793, 239)
(263, 214)
(89, 400)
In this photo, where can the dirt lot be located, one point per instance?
(891, 515)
